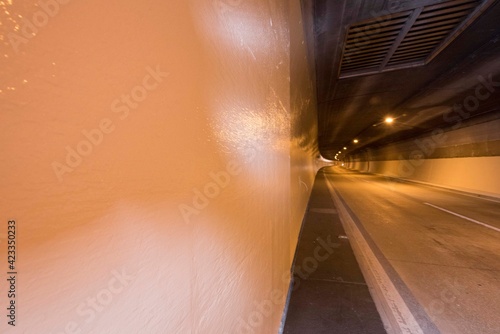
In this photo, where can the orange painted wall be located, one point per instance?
(157, 158)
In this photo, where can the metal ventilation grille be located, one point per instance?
(368, 43)
(406, 39)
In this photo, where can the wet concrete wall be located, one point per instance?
(157, 158)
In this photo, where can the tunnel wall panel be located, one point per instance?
(304, 122)
(475, 175)
(466, 158)
(156, 163)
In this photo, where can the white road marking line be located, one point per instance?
(464, 217)
(393, 310)
(484, 198)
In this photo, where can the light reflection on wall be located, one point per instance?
(227, 99)
(242, 121)
(235, 23)
(15, 34)
(241, 130)
(247, 95)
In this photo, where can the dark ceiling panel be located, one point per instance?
(418, 96)
(405, 39)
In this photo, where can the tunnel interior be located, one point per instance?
(162, 163)
(456, 84)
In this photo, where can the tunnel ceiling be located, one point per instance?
(418, 62)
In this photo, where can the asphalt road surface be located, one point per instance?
(440, 248)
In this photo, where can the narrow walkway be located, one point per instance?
(329, 293)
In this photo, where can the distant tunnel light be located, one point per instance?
(389, 120)
(345, 148)
(355, 141)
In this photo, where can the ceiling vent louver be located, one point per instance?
(406, 39)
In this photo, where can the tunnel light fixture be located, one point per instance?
(355, 141)
(345, 148)
(387, 120)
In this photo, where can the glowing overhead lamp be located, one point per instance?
(355, 141)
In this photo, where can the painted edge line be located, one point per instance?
(464, 217)
(392, 308)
